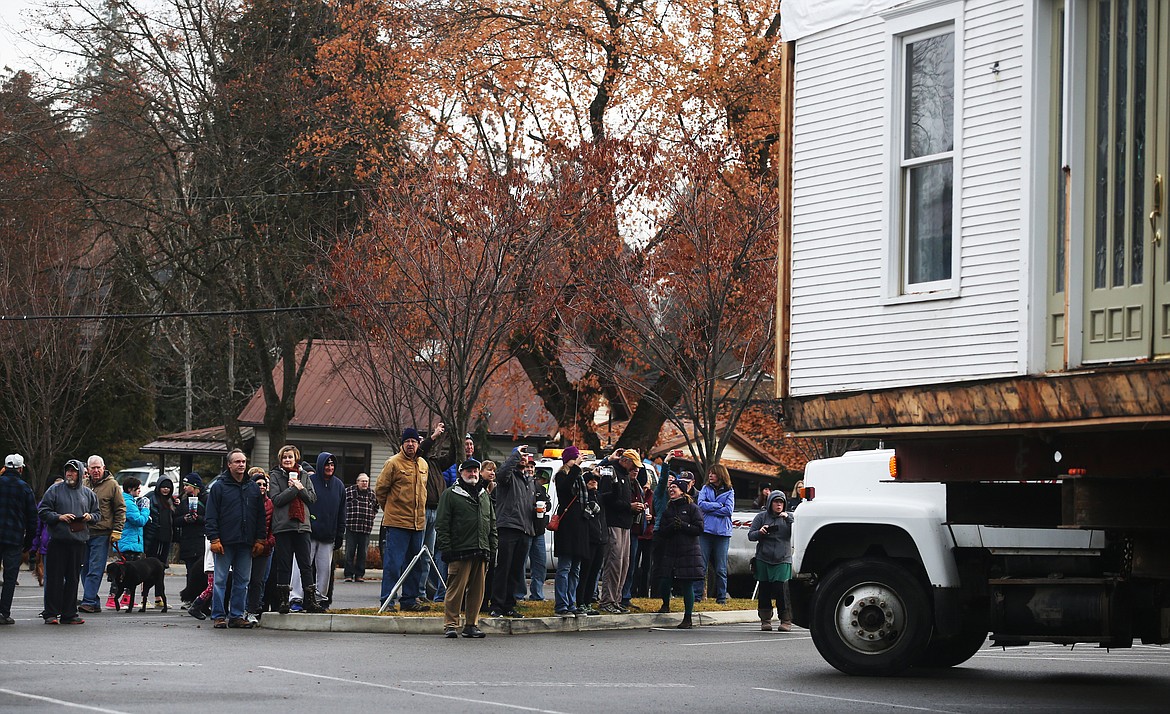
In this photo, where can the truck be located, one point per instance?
(974, 277)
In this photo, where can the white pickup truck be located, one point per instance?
(885, 581)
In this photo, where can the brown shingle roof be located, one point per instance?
(326, 400)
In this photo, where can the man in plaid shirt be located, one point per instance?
(360, 510)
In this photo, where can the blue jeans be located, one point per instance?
(429, 577)
(628, 590)
(97, 552)
(237, 559)
(10, 561)
(537, 566)
(714, 549)
(399, 545)
(567, 581)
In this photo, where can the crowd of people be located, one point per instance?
(255, 541)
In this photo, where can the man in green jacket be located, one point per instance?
(465, 533)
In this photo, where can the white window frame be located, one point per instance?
(904, 24)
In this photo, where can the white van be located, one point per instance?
(149, 476)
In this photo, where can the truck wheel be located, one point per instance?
(956, 650)
(871, 618)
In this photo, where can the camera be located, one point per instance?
(605, 470)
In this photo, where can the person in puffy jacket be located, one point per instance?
(716, 502)
(131, 546)
(681, 563)
(159, 531)
(771, 531)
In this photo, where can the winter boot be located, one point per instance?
(766, 625)
(311, 603)
(686, 622)
(200, 609)
(282, 592)
(665, 605)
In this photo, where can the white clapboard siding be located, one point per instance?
(846, 332)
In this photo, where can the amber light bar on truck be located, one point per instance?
(893, 467)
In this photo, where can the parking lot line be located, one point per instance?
(418, 692)
(542, 685)
(765, 638)
(1113, 659)
(855, 701)
(59, 702)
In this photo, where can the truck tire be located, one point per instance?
(955, 650)
(871, 617)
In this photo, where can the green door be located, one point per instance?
(1127, 292)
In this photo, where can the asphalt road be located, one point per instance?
(153, 662)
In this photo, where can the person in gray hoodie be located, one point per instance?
(771, 531)
(514, 497)
(67, 509)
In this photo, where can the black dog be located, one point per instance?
(126, 576)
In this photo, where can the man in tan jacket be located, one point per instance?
(401, 491)
(101, 534)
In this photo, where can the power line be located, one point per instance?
(183, 199)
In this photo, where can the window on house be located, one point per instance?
(927, 76)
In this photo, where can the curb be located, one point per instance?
(391, 625)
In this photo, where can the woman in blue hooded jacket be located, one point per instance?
(716, 502)
(130, 546)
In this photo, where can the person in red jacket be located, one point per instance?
(262, 563)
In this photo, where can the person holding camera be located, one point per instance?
(515, 493)
(771, 531)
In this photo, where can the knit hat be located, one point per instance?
(194, 479)
(410, 433)
(570, 453)
(14, 461)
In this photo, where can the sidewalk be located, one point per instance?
(391, 625)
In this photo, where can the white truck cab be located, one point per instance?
(884, 581)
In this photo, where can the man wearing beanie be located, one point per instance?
(401, 491)
(465, 531)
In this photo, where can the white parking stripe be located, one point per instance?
(59, 702)
(542, 685)
(743, 642)
(855, 701)
(1077, 658)
(418, 692)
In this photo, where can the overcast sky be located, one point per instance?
(17, 28)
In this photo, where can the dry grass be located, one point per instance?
(545, 608)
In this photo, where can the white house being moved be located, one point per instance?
(976, 242)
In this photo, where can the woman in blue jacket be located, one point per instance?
(137, 515)
(716, 502)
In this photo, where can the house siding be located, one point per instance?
(846, 331)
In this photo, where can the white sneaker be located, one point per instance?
(253, 619)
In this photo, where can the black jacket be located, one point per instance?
(191, 522)
(235, 512)
(615, 493)
(680, 528)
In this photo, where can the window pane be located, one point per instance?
(930, 96)
(928, 222)
(1137, 209)
(1101, 209)
(1120, 141)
